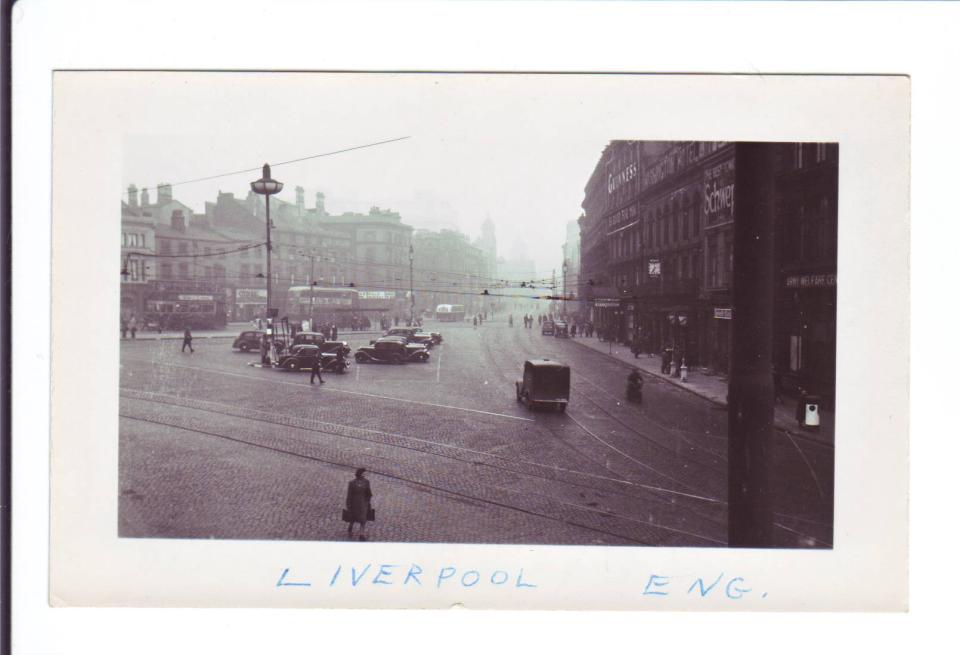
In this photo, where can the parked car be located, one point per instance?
(545, 382)
(301, 358)
(248, 340)
(412, 335)
(436, 336)
(560, 329)
(317, 339)
(392, 350)
(547, 328)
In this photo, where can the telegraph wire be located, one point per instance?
(282, 163)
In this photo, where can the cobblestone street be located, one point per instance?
(211, 447)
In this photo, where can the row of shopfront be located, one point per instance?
(700, 329)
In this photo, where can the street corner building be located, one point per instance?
(656, 254)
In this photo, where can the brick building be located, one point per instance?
(657, 252)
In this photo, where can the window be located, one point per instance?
(713, 262)
(164, 247)
(166, 270)
(182, 247)
(183, 269)
(796, 352)
(728, 247)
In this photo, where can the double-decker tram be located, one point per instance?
(175, 310)
(328, 304)
(450, 313)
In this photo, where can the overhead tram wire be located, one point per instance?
(486, 282)
(251, 246)
(282, 163)
(347, 286)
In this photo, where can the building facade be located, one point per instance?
(570, 266)
(657, 252)
(165, 246)
(448, 269)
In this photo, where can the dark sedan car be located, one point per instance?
(302, 357)
(412, 335)
(248, 340)
(317, 339)
(392, 350)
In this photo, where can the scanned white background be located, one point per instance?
(868, 116)
(750, 39)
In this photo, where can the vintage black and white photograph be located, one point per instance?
(463, 309)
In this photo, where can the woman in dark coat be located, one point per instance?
(358, 502)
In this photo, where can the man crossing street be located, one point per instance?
(316, 369)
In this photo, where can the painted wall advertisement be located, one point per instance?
(718, 193)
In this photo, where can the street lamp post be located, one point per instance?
(267, 186)
(313, 258)
(411, 284)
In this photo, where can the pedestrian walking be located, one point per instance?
(316, 371)
(358, 503)
(474, 322)
(133, 327)
(665, 357)
(801, 411)
(333, 332)
(123, 328)
(187, 340)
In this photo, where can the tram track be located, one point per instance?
(670, 495)
(805, 523)
(684, 460)
(598, 520)
(611, 476)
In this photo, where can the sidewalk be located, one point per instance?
(713, 388)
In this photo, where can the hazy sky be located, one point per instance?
(515, 147)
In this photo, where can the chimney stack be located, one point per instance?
(177, 221)
(144, 197)
(164, 193)
(132, 195)
(300, 203)
(321, 209)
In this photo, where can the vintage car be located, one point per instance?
(249, 340)
(436, 336)
(317, 339)
(392, 350)
(560, 329)
(301, 358)
(545, 382)
(547, 328)
(412, 335)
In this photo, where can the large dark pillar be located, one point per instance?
(750, 411)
